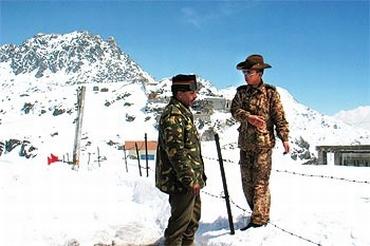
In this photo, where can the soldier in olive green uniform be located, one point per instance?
(179, 163)
(258, 108)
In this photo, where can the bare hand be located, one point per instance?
(257, 121)
(196, 189)
(286, 147)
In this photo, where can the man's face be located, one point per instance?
(251, 76)
(187, 97)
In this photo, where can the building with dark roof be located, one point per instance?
(345, 155)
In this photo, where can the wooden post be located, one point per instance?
(227, 200)
(81, 105)
(146, 155)
(138, 159)
(98, 156)
(124, 153)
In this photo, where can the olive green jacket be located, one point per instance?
(179, 163)
(263, 100)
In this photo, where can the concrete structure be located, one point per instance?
(131, 150)
(219, 103)
(345, 155)
(201, 116)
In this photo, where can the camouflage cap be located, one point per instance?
(253, 62)
(183, 82)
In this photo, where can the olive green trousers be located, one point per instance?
(184, 220)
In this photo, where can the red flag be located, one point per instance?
(52, 159)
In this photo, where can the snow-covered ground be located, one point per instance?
(54, 205)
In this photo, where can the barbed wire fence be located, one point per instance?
(293, 234)
(272, 224)
(300, 174)
(246, 211)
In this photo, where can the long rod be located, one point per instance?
(227, 200)
(146, 155)
(138, 159)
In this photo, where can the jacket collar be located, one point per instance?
(252, 89)
(178, 104)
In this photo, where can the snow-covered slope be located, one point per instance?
(41, 77)
(358, 117)
(311, 127)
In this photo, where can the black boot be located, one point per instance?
(250, 225)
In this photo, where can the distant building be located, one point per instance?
(131, 149)
(202, 116)
(344, 155)
(219, 103)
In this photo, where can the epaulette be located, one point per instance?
(270, 87)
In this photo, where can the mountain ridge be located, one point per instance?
(357, 117)
(43, 107)
(83, 57)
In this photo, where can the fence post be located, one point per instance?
(80, 111)
(98, 156)
(146, 155)
(227, 200)
(138, 159)
(124, 153)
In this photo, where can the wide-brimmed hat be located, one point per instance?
(253, 62)
(184, 82)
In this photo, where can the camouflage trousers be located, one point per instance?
(255, 168)
(184, 220)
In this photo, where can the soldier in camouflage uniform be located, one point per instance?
(179, 163)
(258, 108)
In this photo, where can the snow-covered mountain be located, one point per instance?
(103, 204)
(41, 77)
(79, 56)
(358, 117)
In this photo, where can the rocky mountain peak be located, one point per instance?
(82, 56)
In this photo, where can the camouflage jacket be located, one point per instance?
(264, 101)
(179, 163)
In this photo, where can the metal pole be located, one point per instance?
(138, 159)
(81, 105)
(227, 200)
(146, 155)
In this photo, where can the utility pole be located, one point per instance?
(81, 91)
